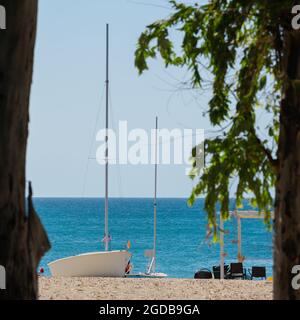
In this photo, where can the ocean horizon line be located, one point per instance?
(112, 197)
(117, 197)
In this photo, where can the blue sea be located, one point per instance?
(76, 226)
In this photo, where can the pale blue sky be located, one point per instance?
(69, 76)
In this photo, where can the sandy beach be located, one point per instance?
(152, 289)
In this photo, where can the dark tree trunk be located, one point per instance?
(287, 208)
(23, 240)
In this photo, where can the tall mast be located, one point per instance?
(155, 196)
(106, 236)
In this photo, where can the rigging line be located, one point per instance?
(168, 109)
(92, 143)
(119, 180)
(148, 4)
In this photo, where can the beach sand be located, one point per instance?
(152, 289)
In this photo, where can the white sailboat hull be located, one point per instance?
(94, 264)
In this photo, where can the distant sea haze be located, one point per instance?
(76, 225)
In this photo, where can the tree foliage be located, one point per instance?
(240, 43)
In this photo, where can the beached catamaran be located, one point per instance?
(96, 264)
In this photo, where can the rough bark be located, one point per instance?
(287, 207)
(22, 238)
